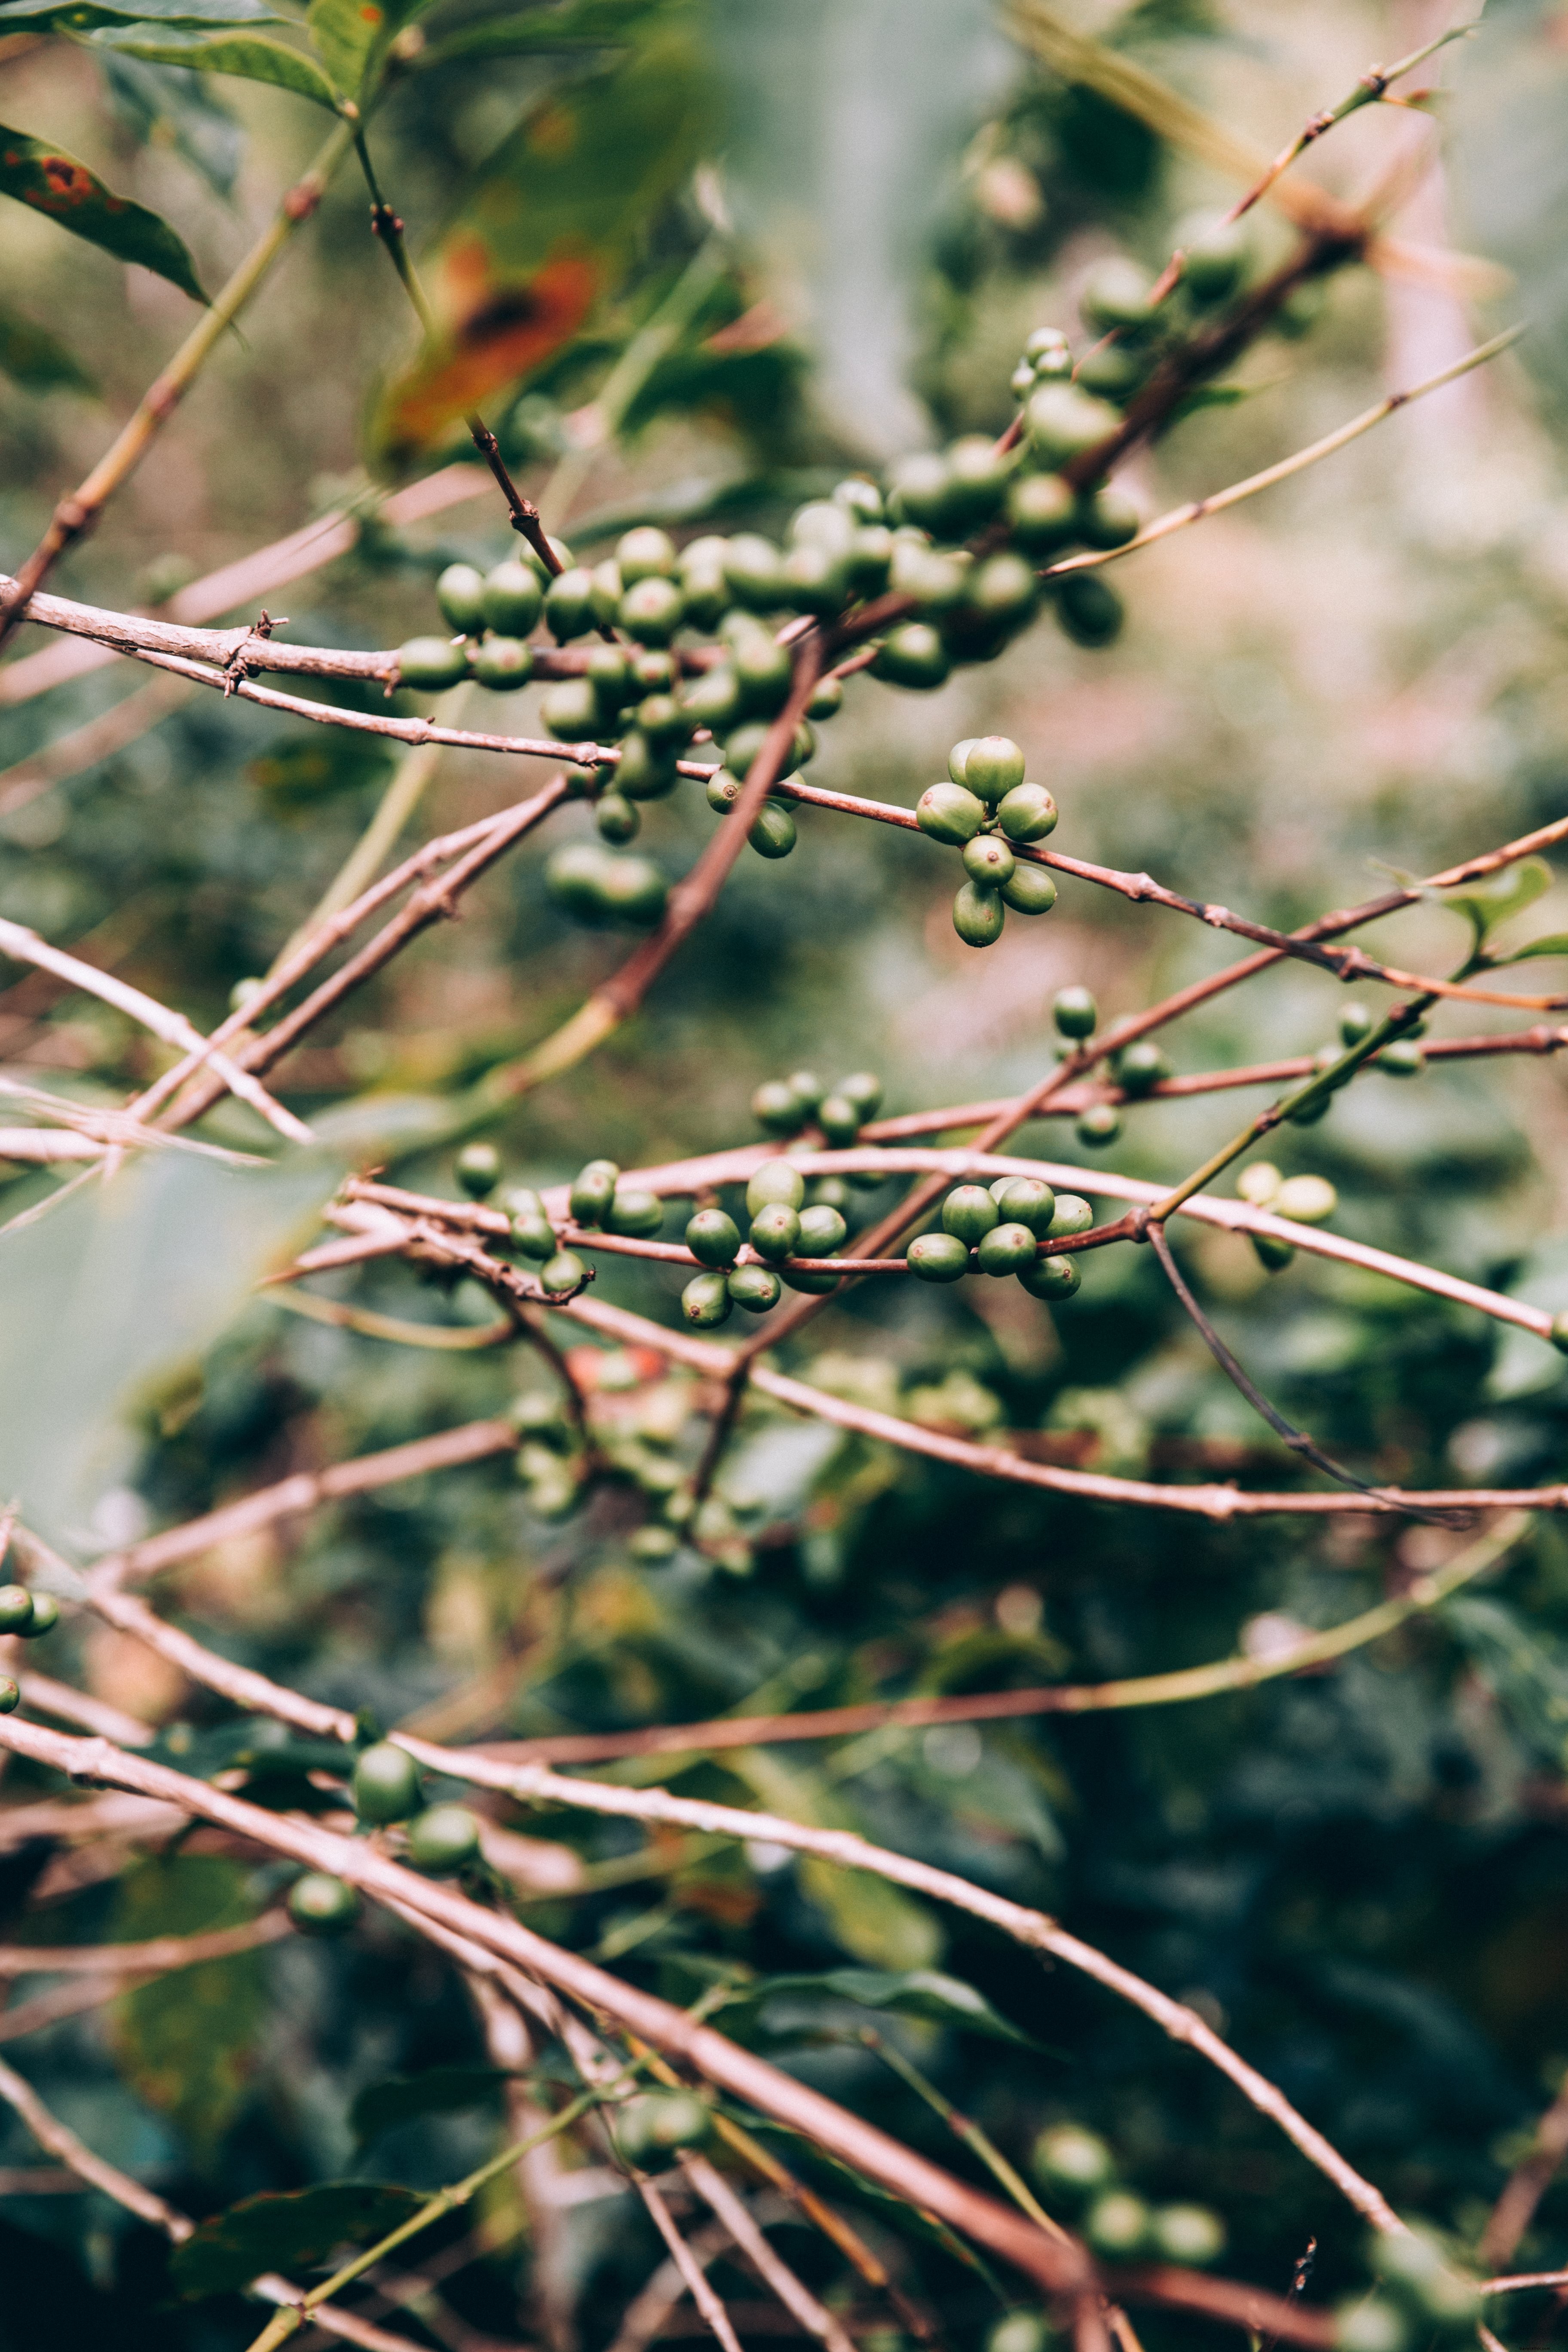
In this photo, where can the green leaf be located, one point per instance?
(248, 55)
(1484, 909)
(440, 2091)
(1555, 943)
(50, 182)
(1528, 1676)
(82, 15)
(592, 24)
(547, 233)
(186, 2042)
(163, 106)
(911, 1992)
(353, 35)
(292, 2231)
(31, 357)
(876, 1921)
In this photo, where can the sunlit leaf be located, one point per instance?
(293, 2231)
(186, 2042)
(32, 357)
(50, 182)
(350, 34)
(1497, 903)
(876, 1921)
(1555, 943)
(246, 55)
(165, 108)
(83, 15)
(439, 2091)
(547, 233)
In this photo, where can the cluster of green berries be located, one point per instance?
(386, 1788)
(1422, 2297)
(1306, 1200)
(1075, 2167)
(783, 1107)
(998, 1229)
(492, 615)
(987, 812)
(27, 1615)
(781, 1226)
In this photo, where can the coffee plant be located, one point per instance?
(569, 1826)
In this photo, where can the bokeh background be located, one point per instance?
(1361, 1876)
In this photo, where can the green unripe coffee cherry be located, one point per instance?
(1141, 1066)
(10, 1695)
(1006, 1249)
(44, 1618)
(1115, 295)
(713, 700)
(922, 490)
(645, 772)
(761, 671)
(938, 1257)
(817, 1284)
(969, 1214)
(913, 656)
(569, 604)
(978, 915)
(828, 1193)
(503, 664)
(652, 1546)
(16, 1609)
(1050, 1279)
(1214, 256)
(663, 723)
(1356, 1022)
(1021, 382)
(1028, 813)
(1075, 1012)
(1047, 352)
(539, 1416)
(1272, 1253)
(571, 711)
(563, 1273)
(593, 1190)
(777, 1109)
(636, 1213)
(705, 1302)
(1099, 1124)
(618, 819)
(631, 890)
(807, 1088)
(460, 593)
(949, 812)
(1558, 1335)
(442, 1839)
(1416, 2272)
(532, 1235)
(656, 2125)
(993, 765)
(1108, 519)
(1029, 891)
(655, 672)
(1088, 608)
(1308, 1198)
(958, 755)
(652, 612)
(1021, 2331)
(999, 593)
(839, 1121)
(385, 1785)
(1042, 514)
(1067, 2157)
(864, 1090)
(772, 832)
(431, 664)
(320, 1904)
(757, 1288)
(645, 553)
(775, 1180)
(776, 1232)
(826, 698)
(479, 1170)
(573, 876)
(1072, 1214)
(933, 584)
(752, 567)
(512, 599)
(988, 861)
(1370, 2323)
(978, 478)
(814, 580)
(1188, 2233)
(1402, 1059)
(1064, 423)
(822, 1231)
(605, 589)
(712, 1237)
(1117, 2224)
(1026, 1201)
(858, 498)
(606, 672)
(707, 594)
(870, 559)
(1113, 374)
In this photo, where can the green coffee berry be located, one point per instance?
(1188, 2233)
(1028, 813)
(569, 604)
(1558, 1334)
(1005, 1249)
(826, 698)
(1029, 891)
(1415, 2269)
(949, 812)
(839, 1121)
(1088, 608)
(722, 790)
(822, 523)
(1047, 353)
(752, 567)
(817, 1284)
(533, 1235)
(1072, 1214)
(593, 1190)
(570, 711)
(775, 1180)
(822, 1231)
(1113, 373)
(705, 1302)
(742, 744)
(655, 2125)
(574, 874)
(653, 1546)
(16, 1609)
(921, 488)
(431, 664)
(772, 832)
(1064, 423)
(322, 1905)
(1108, 519)
(662, 723)
(605, 589)
(1099, 1124)
(1402, 1059)
(1141, 1066)
(933, 584)
(969, 1214)
(1307, 1199)
(539, 1415)
(870, 560)
(757, 1288)
(958, 755)
(988, 861)
(978, 915)
(460, 593)
(1020, 2331)
(778, 1108)
(858, 496)
(443, 1839)
(864, 1090)
(512, 599)
(636, 1213)
(712, 1237)
(1026, 1201)
(1272, 1252)
(1117, 2224)
(814, 580)
(1021, 382)
(1259, 1184)
(1075, 1012)
(1116, 295)
(617, 818)
(1042, 514)
(807, 1087)
(385, 1784)
(828, 1193)
(1214, 256)
(45, 1616)
(606, 672)
(631, 890)
(776, 1232)
(938, 1257)
(563, 1273)
(913, 656)
(1001, 592)
(1356, 1022)
(652, 611)
(713, 700)
(993, 765)
(645, 553)
(1067, 2155)
(1370, 2324)
(1050, 1279)
(978, 478)
(503, 664)
(479, 1170)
